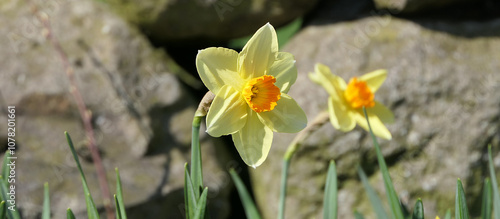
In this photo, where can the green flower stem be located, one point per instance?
(389, 188)
(321, 119)
(196, 171)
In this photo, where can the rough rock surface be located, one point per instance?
(442, 85)
(414, 6)
(174, 20)
(125, 83)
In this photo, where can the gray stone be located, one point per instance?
(174, 20)
(442, 86)
(141, 113)
(414, 6)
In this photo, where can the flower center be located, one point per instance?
(261, 94)
(358, 94)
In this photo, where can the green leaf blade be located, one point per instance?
(119, 196)
(46, 202)
(189, 195)
(91, 208)
(375, 200)
(461, 211)
(202, 205)
(487, 200)
(494, 184)
(248, 204)
(69, 214)
(418, 210)
(3, 209)
(392, 196)
(330, 200)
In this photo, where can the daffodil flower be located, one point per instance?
(346, 101)
(251, 100)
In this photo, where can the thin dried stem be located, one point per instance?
(85, 114)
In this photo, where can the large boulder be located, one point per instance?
(141, 112)
(442, 85)
(174, 20)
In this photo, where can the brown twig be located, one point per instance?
(85, 114)
(317, 123)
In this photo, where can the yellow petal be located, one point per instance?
(286, 117)
(383, 113)
(374, 79)
(228, 112)
(218, 67)
(259, 53)
(333, 84)
(340, 116)
(253, 141)
(284, 70)
(378, 127)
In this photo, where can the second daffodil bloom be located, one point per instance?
(250, 88)
(346, 101)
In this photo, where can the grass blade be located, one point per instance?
(196, 170)
(202, 205)
(12, 211)
(248, 204)
(117, 209)
(418, 210)
(69, 214)
(91, 209)
(46, 202)
(389, 187)
(189, 195)
(494, 184)
(330, 200)
(5, 166)
(2, 210)
(375, 200)
(448, 214)
(487, 200)
(119, 196)
(358, 215)
(461, 211)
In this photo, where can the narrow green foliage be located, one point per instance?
(448, 214)
(119, 196)
(375, 200)
(5, 167)
(201, 205)
(2, 210)
(91, 209)
(330, 199)
(248, 204)
(494, 184)
(487, 200)
(389, 188)
(284, 178)
(358, 215)
(69, 214)
(189, 195)
(46, 202)
(12, 211)
(461, 211)
(196, 170)
(117, 209)
(406, 212)
(418, 210)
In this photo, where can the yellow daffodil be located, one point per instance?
(250, 88)
(346, 101)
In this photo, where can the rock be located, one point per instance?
(413, 6)
(140, 110)
(442, 86)
(174, 20)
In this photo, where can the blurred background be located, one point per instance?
(134, 63)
